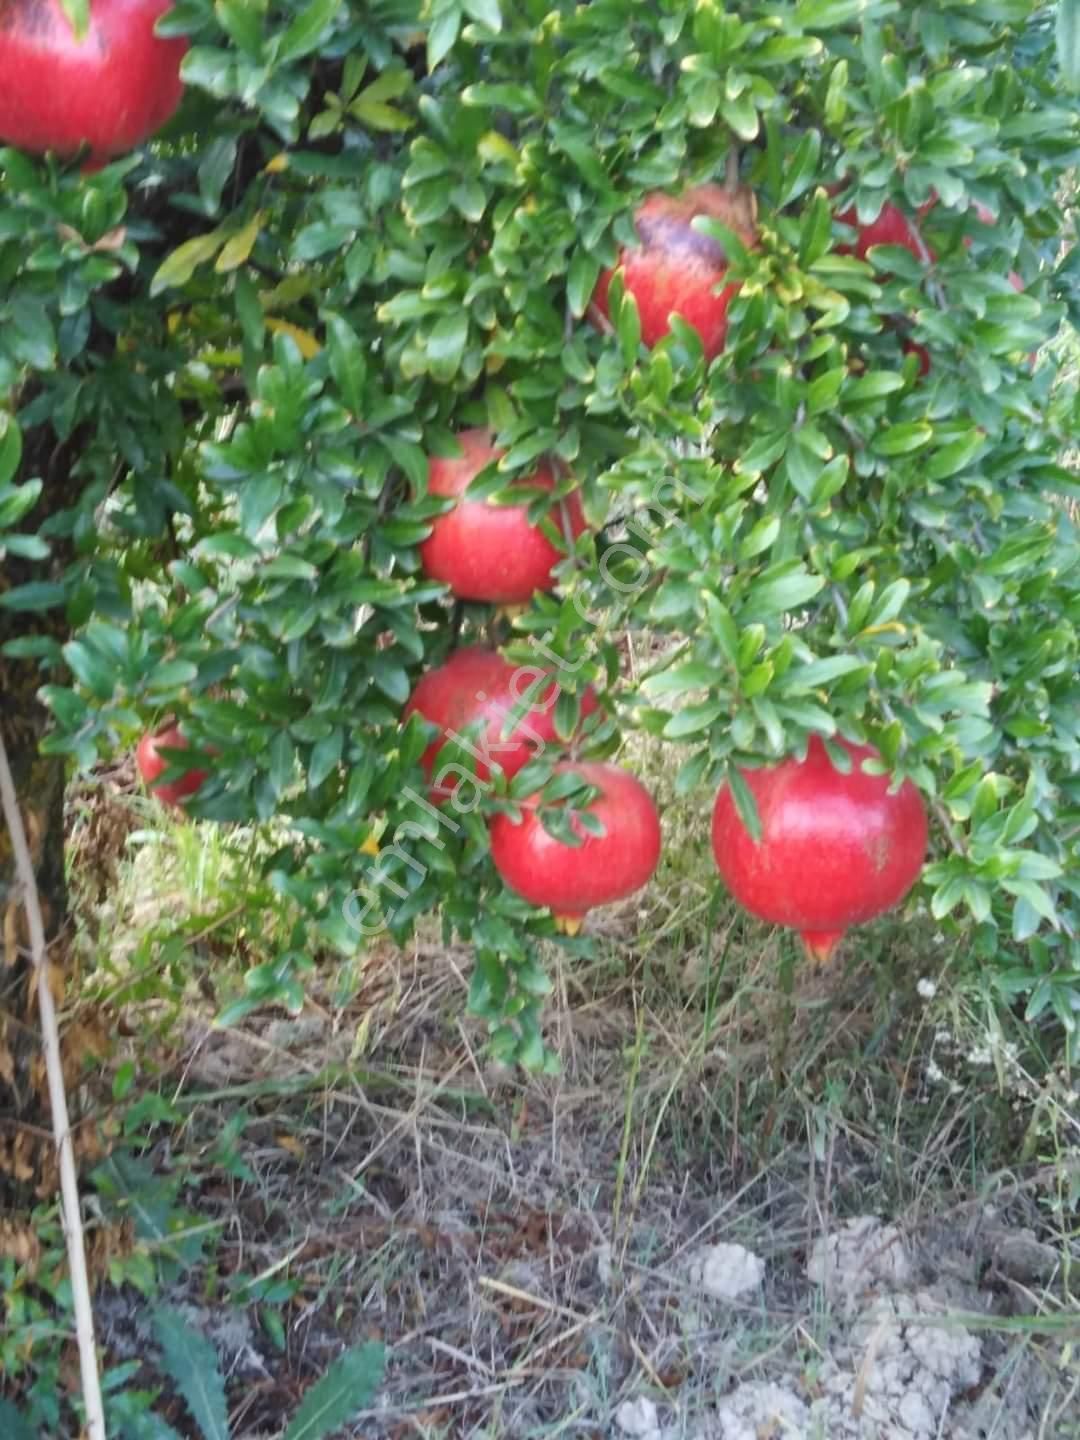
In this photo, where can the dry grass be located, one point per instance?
(525, 1247)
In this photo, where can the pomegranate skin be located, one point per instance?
(475, 684)
(676, 269)
(573, 879)
(112, 90)
(912, 347)
(490, 552)
(836, 850)
(891, 227)
(151, 764)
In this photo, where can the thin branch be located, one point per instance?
(50, 1040)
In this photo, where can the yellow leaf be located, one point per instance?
(276, 165)
(377, 115)
(178, 268)
(495, 149)
(306, 343)
(291, 1144)
(238, 247)
(370, 846)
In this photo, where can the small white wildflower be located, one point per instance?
(926, 988)
(934, 1072)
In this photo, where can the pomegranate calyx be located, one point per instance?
(820, 945)
(569, 924)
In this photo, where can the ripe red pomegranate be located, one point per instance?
(572, 879)
(111, 90)
(912, 347)
(892, 227)
(836, 850)
(676, 269)
(491, 552)
(151, 764)
(478, 684)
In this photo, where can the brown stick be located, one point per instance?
(50, 1041)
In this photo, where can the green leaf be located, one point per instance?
(581, 281)
(17, 501)
(34, 595)
(954, 456)
(89, 669)
(903, 439)
(785, 592)
(442, 36)
(741, 114)
(325, 756)
(761, 537)
(307, 31)
(10, 456)
(873, 386)
(348, 363)
(745, 804)
(485, 12)
(693, 719)
(191, 1362)
(445, 345)
(518, 99)
(13, 1426)
(827, 14)
(1068, 43)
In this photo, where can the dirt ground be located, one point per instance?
(605, 1254)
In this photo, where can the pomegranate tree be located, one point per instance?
(477, 685)
(151, 763)
(573, 879)
(489, 552)
(836, 848)
(678, 269)
(110, 90)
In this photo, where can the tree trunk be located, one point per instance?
(27, 1154)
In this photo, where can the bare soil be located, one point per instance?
(612, 1253)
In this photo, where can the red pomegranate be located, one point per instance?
(477, 684)
(835, 851)
(490, 552)
(912, 347)
(677, 269)
(892, 227)
(111, 90)
(151, 763)
(572, 879)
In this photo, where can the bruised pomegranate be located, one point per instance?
(479, 685)
(111, 90)
(491, 552)
(835, 851)
(572, 879)
(676, 269)
(151, 763)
